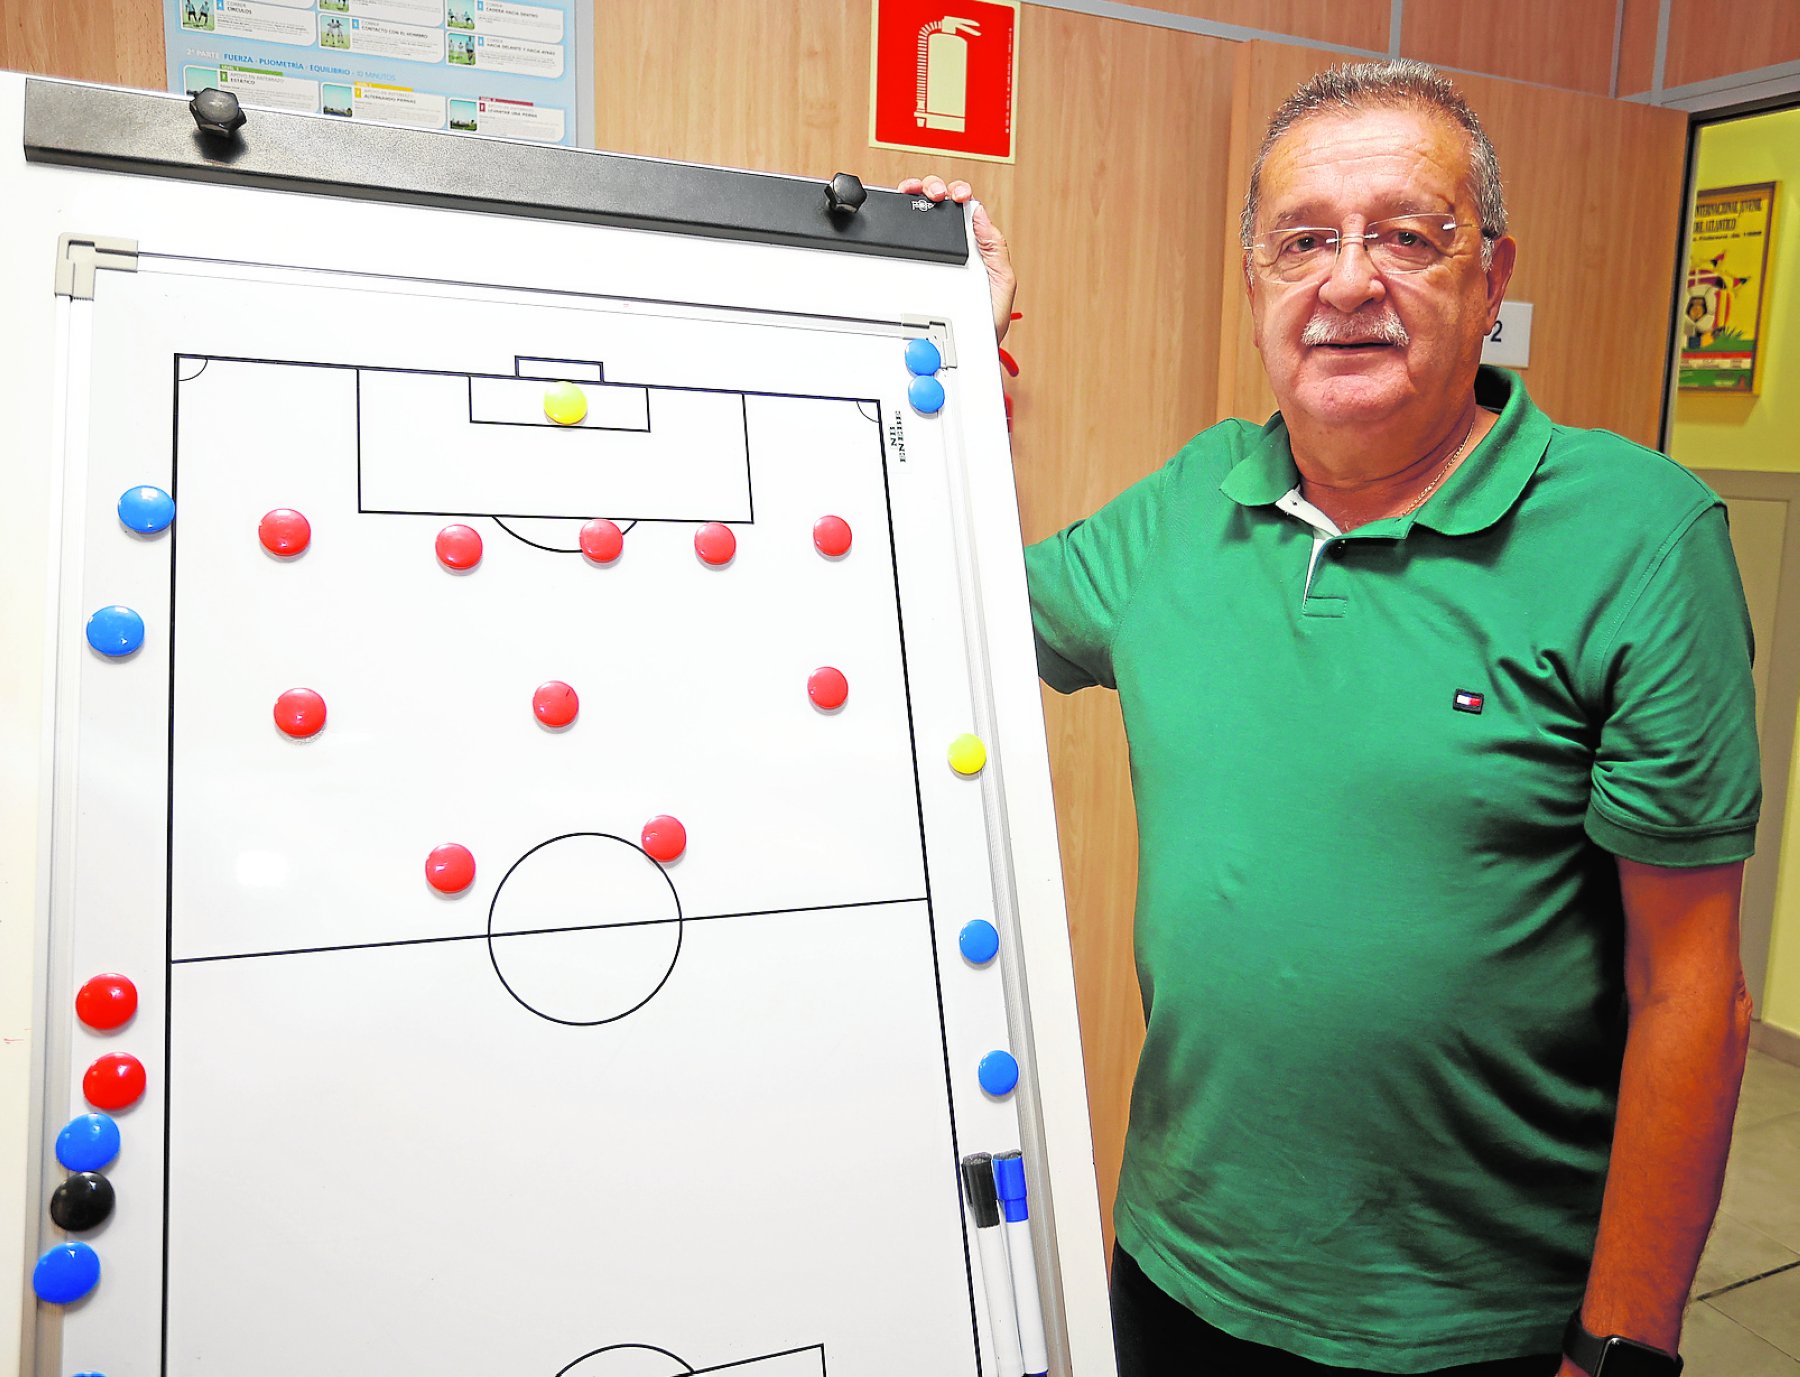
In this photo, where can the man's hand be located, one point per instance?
(989, 243)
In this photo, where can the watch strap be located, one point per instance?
(1614, 1355)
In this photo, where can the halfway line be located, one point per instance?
(536, 932)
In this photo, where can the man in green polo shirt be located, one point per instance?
(1442, 744)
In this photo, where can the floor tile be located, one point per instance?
(1762, 1178)
(1737, 1251)
(1769, 1309)
(1771, 1090)
(1717, 1346)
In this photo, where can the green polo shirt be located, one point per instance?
(1379, 934)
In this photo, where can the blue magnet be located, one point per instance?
(979, 942)
(115, 631)
(926, 395)
(66, 1273)
(922, 357)
(146, 510)
(999, 1073)
(88, 1142)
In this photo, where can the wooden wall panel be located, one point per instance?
(1715, 38)
(1353, 23)
(1594, 195)
(1547, 41)
(118, 42)
(1113, 211)
(1116, 219)
(1707, 39)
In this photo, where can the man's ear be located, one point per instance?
(1499, 273)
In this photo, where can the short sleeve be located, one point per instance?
(1676, 777)
(1082, 580)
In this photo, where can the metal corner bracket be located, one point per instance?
(937, 331)
(80, 256)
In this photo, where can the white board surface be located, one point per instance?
(599, 1112)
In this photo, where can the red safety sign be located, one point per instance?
(941, 76)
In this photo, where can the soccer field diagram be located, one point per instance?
(583, 925)
(607, 1098)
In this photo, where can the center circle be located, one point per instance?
(584, 928)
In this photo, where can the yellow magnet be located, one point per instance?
(565, 403)
(967, 754)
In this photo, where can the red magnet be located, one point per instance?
(450, 869)
(664, 838)
(458, 547)
(106, 1001)
(115, 1081)
(284, 532)
(555, 704)
(827, 687)
(300, 712)
(832, 535)
(602, 541)
(715, 542)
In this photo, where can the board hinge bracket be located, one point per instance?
(937, 331)
(80, 256)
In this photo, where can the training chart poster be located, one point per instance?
(1727, 284)
(494, 67)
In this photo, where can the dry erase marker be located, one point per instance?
(996, 1276)
(1009, 1185)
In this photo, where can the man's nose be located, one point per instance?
(1353, 281)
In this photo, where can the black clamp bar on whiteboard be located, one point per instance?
(154, 135)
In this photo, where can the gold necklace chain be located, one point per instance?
(1443, 469)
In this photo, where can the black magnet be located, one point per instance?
(844, 194)
(81, 1202)
(217, 112)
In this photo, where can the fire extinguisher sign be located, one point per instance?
(941, 76)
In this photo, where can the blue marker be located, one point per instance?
(996, 1276)
(1009, 1185)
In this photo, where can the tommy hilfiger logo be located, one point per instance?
(1465, 701)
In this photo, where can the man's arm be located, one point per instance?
(1684, 1060)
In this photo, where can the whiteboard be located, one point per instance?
(598, 1113)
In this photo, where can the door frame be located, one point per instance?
(1762, 873)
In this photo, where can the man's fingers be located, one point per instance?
(987, 234)
(937, 188)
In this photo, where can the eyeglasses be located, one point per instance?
(1402, 244)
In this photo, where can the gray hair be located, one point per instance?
(1402, 84)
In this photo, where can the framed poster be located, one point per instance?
(1722, 303)
(499, 68)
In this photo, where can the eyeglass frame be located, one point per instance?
(1337, 239)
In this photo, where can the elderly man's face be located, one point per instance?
(1344, 171)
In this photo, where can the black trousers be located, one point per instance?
(1155, 1335)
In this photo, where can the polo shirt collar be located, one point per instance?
(1481, 491)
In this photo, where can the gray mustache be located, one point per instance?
(1358, 329)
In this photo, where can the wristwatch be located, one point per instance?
(1614, 1355)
